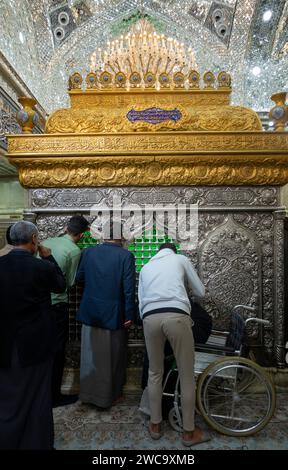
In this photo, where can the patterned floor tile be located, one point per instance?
(81, 426)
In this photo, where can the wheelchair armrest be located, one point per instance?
(213, 348)
(217, 338)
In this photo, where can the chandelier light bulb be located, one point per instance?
(256, 71)
(267, 15)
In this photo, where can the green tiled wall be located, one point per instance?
(142, 248)
(146, 247)
(87, 240)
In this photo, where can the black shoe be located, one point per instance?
(64, 400)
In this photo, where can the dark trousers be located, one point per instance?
(26, 419)
(61, 321)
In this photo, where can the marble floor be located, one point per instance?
(124, 427)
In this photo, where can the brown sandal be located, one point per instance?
(204, 437)
(155, 434)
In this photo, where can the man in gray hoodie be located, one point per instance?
(165, 309)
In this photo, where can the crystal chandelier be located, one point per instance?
(145, 55)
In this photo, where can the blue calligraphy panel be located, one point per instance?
(154, 115)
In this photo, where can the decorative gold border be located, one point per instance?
(143, 159)
(145, 142)
(152, 170)
(121, 97)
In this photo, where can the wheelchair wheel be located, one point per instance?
(174, 420)
(235, 396)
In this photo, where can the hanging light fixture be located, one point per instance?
(144, 56)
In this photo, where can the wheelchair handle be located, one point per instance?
(258, 320)
(245, 307)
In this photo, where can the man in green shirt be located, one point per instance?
(67, 254)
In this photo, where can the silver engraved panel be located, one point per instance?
(239, 256)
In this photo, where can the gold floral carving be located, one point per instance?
(106, 172)
(145, 171)
(94, 144)
(197, 118)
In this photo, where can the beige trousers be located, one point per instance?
(177, 328)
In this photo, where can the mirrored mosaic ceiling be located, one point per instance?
(47, 40)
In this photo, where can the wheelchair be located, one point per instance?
(234, 395)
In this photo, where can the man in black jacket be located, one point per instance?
(26, 341)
